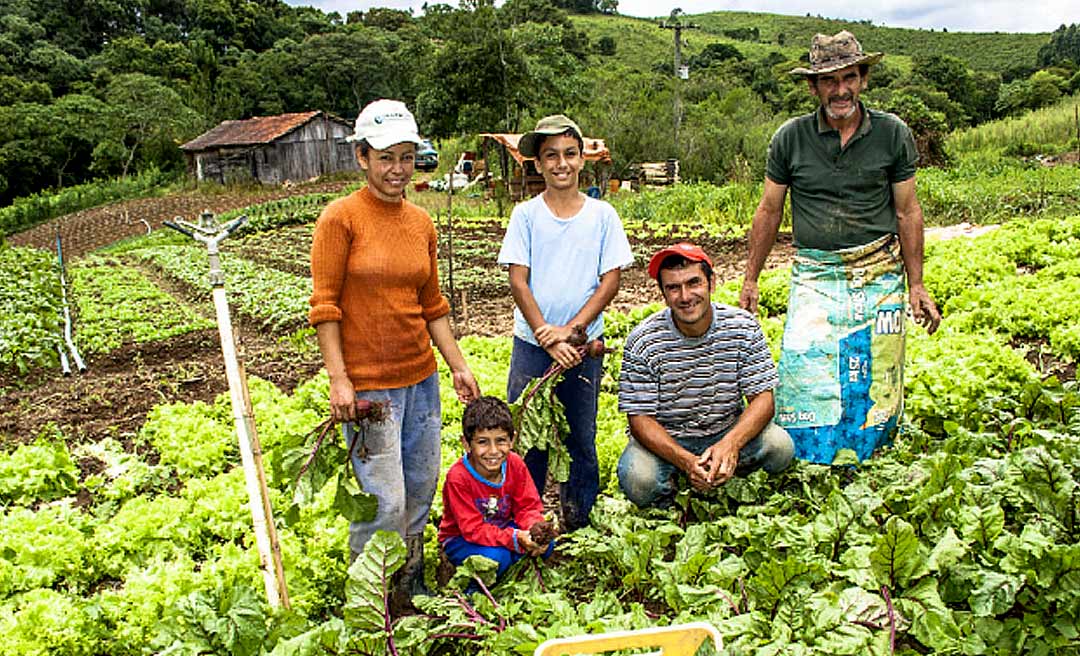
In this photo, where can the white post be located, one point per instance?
(245, 424)
(266, 539)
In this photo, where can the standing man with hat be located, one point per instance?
(685, 373)
(858, 228)
(565, 252)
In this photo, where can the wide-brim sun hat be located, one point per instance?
(545, 127)
(832, 53)
(383, 123)
(691, 252)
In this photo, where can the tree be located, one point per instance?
(385, 18)
(25, 164)
(929, 126)
(519, 12)
(14, 90)
(49, 64)
(134, 54)
(489, 77)
(80, 122)
(352, 67)
(608, 6)
(950, 75)
(605, 46)
(715, 53)
(142, 113)
(578, 6)
(1046, 89)
(1064, 45)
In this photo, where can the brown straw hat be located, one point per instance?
(831, 53)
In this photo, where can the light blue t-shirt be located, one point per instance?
(566, 258)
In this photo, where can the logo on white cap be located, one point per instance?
(384, 123)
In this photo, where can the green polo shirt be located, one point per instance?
(841, 197)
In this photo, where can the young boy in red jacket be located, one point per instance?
(489, 500)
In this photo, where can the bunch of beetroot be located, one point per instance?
(367, 413)
(539, 416)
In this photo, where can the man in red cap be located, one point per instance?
(686, 371)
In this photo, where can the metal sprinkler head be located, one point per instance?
(207, 221)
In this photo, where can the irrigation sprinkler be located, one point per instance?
(207, 231)
(69, 341)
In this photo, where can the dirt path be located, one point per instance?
(94, 228)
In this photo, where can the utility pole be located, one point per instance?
(677, 26)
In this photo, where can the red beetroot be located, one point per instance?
(367, 410)
(543, 532)
(596, 348)
(578, 336)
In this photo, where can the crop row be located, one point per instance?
(30, 309)
(293, 210)
(984, 188)
(119, 305)
(277, 299)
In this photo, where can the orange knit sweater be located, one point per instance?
(374, 269)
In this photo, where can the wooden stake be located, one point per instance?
(465, 311)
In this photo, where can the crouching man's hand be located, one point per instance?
(719, 461)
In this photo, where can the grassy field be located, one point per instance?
(639, 40)
(1049, 130)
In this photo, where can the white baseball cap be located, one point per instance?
(384, 123)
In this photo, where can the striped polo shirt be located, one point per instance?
(694, 386)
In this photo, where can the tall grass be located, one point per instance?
(984, 187)
(1048, 130)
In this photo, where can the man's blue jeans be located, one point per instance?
(398, 460)
(579, 392)
(646, 479)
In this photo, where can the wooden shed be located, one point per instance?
(272, 149)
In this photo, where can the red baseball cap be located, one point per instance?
(685, 249)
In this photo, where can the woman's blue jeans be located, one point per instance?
(398, 460)
(579, 392)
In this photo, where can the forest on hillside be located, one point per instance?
(93, 89)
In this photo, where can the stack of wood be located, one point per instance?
(658, 173)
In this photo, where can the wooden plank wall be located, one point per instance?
(315, 149)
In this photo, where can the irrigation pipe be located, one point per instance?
(210, 233)
(68, 339)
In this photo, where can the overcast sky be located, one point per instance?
(956, 15)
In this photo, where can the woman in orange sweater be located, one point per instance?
(377, 309)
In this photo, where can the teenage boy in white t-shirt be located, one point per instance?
(565, 252)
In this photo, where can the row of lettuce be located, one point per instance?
(964, 538)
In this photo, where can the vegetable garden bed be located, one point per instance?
(125, 529)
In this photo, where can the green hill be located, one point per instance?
(639, 39)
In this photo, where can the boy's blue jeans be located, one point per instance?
(457, 549)
(579, 392)
(398, 460)
(646, 479)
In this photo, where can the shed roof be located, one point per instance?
(252, 131)
(595, 149)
